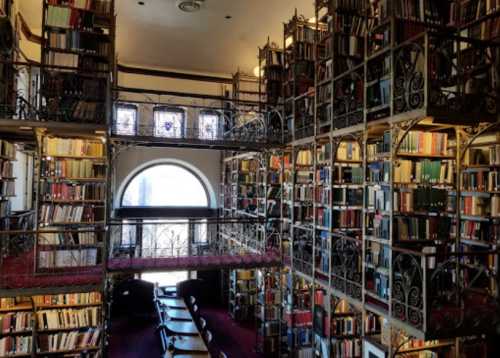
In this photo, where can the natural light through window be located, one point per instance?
(165, 185)
(126, 120)
(165, 278)
(208, 125)
(169, 123)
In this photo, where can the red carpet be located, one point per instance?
(19, 272)
(237, 340)
(134, 338)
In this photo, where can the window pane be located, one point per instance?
(126, 120)
(165, 185)
(165, 239)
(208, 126)
(165, 278)
(169, 124)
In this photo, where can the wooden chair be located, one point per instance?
(203, 324)
(208, 337)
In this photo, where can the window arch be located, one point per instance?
(169, 122)
(165, 185)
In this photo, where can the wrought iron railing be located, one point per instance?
(443, 293)
(449, 77)
(185, 242)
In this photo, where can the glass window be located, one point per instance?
(126, 119)
(169, 122)
(208, 125)
(165, 185)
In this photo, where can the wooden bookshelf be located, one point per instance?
(77, 59)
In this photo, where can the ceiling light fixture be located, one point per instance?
(190, 5)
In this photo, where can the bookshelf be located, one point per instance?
(7, 181)
(268, 311)
(242, 294)
(71, 202)
(48, 325)
(299, 78)
(17, 322)
(298, 314)
(77, 59)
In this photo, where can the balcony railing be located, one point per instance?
(445, 294)
(185, 244)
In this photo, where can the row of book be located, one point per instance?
(66, 341)
(68, 318)
(14, 322)
(72, 169)
(73, 192)
(69, 18)
(422, 228)
(54, 214)
(379, 149)
(345, 326)
(303, 214)
(378, 283)
(472, 10)
(303, 193)
(377, 255)
(98, 6)
(7, 150)
(54, 146)
(347, 196)
(6, 169)
(421, 199)
(304, 157)
(480, 180)
(425, 143)
(82, 298)
(78, 41)
(304, 176)
(7, 188)
(72, 85)
(67, 258)
(378, 198)
(268, 313)
(425, 171)
(347, 219)
(480, 206)
(348, 175)
(323, 217)
(78, 237)
(18, 345)
(72, 109)
(346, 348)
(76, 61)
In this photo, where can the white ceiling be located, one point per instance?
(159, 34)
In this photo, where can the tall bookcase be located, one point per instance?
(71, 203)
(7, 180)
(397, 81)
(77, 60)
(48, 325)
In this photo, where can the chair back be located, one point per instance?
(203, 324)
(222, 354)
(192, 300)
(208, 337)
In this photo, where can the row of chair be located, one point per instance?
(169, 339)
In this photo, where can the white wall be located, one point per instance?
(23, 184)
(205, 161)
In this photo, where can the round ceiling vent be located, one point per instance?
(190, 5)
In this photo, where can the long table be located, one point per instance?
(187, 340)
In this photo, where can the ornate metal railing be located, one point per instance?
(347, 260)
(177, 243)
(445, 293)
(447, 77)
(348, 98)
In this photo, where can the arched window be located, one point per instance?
(165, 185)
(169, 122)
